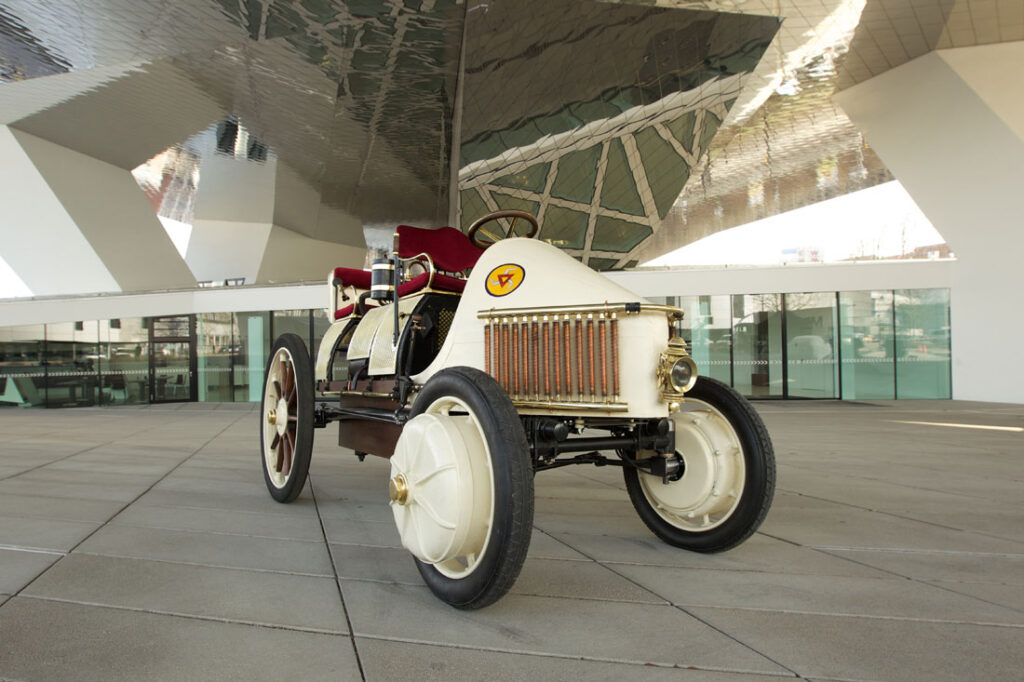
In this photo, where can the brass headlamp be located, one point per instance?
(677, 372)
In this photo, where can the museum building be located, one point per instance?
(177, 179)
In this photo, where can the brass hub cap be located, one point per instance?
(398, 489)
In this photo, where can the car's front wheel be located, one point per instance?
(462, 488)
(728, 475)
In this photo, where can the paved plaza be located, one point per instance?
(140, 543)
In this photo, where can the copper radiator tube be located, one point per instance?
(546, 333)
(615, 356)
(579, 356)
(532, 358)
(602, 334)
(568, 356)
(487, 352)
(515, 357)
(591, 385)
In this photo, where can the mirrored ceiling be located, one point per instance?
(632, 128)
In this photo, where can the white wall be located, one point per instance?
(963, 164)
(236, 299)
(113, 215)
(39, 240)
(799, 278)
(660, 282)
(223, 249)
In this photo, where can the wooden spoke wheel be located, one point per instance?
(286, 418)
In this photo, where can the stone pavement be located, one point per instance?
(140, 543)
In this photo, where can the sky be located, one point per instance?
(880, 221)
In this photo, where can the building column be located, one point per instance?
(950, 126)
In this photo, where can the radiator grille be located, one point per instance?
(558, 360)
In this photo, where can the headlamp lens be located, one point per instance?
(681, 375)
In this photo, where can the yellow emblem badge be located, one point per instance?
(504, 279)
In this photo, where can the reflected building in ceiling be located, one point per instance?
(157, 145)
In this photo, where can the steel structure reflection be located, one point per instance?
(632, 129)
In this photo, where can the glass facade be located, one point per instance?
(852, 345)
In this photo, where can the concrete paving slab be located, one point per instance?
(209, 549)
(377, 511)
(253, 485)
(952, 566)
(550, 625)
(842, 468)
(284, 526)
(8, 471)
(256, 597)
(836, 647)
(261, 504)
(873, 530)
(50, 474)
(618, 525)
(392, 660)
(151, 467)
(759, 553)
(58, 508)
(32, 533)
(20, 485)
(1009, 596)
(353, 532)
(543, 546)
(20, 567)
(43, 640)
(830, 595)
(188, 473)
(539, 577)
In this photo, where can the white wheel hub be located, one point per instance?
(442, 487)
(714, 474)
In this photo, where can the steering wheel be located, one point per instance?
(477, 227)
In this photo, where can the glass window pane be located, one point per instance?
(707, 330)
(22, 376)
(867, 366)
(214, 352)
(72, 358)
(922, 343)
(176, 327)
(252, 342)
(292, 322)
(321, 323)
(757, 345)
(810, 340)
(125, 366)
(171, 375)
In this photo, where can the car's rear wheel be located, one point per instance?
(286, 418)
(462, 488)
(728, 477)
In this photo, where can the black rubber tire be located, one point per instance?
(302, 406)
(513, 489)
(759, 486)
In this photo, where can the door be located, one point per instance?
(172, 359)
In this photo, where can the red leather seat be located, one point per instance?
(447, 247)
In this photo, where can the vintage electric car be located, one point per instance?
(473, 362)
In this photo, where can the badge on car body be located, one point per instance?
(504, 279)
